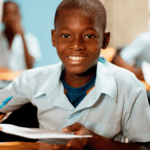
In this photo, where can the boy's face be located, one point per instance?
(78, 38)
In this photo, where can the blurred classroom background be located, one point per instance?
(38, 18)
(126, 19)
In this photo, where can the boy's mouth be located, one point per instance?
(76, 58)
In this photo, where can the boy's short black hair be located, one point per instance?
(95, 6)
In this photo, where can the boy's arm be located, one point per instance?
(17, 29)
(97, 142)
(28, 58)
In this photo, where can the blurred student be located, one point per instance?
(18, 50)
(133, 55)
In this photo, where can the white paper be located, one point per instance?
(36, 133)
(146, 71)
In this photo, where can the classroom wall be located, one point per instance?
(126, 19)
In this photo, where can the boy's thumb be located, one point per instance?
(66, 130)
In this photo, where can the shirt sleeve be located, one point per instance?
(33, 46)
(136, 115)
(133, 50)
(20, 92)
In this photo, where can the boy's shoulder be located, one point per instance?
(118, 72)
(124, 77)
(121, 76)
(126, 83)
(38, 80)
(42, 72)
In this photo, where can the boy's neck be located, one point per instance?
(77, 81)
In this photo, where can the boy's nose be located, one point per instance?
(77, 44)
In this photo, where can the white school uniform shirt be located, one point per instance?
(14, 58)
(116, 108)
(138, 51)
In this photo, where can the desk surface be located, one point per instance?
(24, 146)
(8, 75)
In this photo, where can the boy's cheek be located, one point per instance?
(62, 48)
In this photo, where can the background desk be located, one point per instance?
(8, 75)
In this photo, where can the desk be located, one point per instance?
(24, 146)
(8, 75)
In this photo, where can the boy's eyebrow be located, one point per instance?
(65, 28)
(88, 28)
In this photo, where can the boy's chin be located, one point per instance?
(78, 71)
(75, 71)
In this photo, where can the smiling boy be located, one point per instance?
(84, 92)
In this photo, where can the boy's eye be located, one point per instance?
(65, 36)
(89, 36)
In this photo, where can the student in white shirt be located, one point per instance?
(18, 50)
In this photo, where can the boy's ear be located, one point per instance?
(53, 33)
(106, 40)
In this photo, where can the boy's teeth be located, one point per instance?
(75, 58)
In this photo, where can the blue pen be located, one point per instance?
(6, 101)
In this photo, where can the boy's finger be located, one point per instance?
(74, 127)
(57, 147)
(74, 144)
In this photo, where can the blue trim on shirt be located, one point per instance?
(76, 95)
(101, 60)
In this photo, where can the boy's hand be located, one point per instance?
(75, 144)
(78, 129)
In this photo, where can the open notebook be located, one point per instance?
(36, 133)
